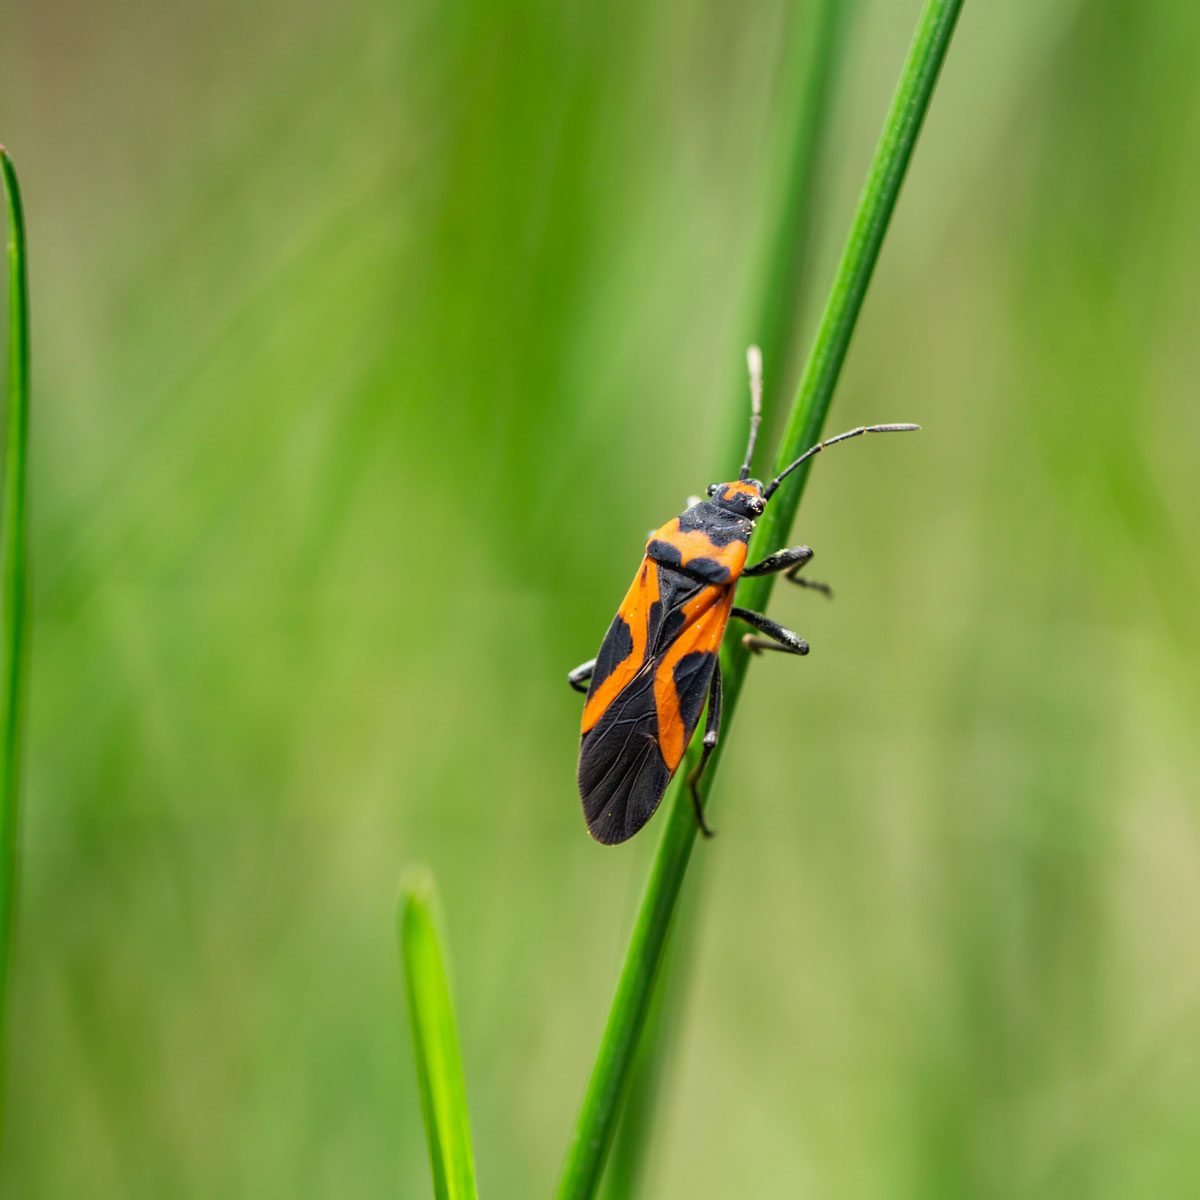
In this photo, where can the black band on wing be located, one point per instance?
(693, 674)
(614, 650)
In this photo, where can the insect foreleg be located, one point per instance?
(579, 677)
(792, 560)
(712, 731)
(783, 640)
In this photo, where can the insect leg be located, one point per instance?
(579, 677)
(783, 640)
(792, 556)
(792, 560)
(712, 730)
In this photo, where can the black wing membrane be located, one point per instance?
(622, 775)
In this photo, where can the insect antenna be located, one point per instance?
(769, 490)
(754, 362)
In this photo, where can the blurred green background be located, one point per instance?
(369, 341)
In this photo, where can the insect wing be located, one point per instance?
(651, 678)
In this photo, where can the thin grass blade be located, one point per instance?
(435, 1042)
(14, 584)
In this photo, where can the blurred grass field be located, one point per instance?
(369, 342)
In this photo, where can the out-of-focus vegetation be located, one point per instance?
(14, 562)
(369, 343)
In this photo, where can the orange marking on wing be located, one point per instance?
(707, 614)
(635, 611)
(697, 544)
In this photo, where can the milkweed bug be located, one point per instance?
(658, 660)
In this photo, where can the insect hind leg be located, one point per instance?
(781, 639)
(712, 731)
(579, 677)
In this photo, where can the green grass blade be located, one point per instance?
(435, 1042)
(594, 1128)
(640, 1116)
(14, 583)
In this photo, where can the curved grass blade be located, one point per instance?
(594, 1128)
(435, 1042)
(14, 583)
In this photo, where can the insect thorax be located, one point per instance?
(705, 541)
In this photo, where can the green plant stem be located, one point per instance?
(640, 1114)
(594, 1128)
(813, 57)
(14, 584)
(435, 1042)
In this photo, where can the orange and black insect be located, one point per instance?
(658, 661)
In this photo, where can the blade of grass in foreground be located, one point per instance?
(435, 1042)
(14, 585)
(594, 1128)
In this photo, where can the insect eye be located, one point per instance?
(712, 489)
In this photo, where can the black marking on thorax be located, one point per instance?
(704, 570)
(722, 527)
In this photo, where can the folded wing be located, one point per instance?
(647, 693)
